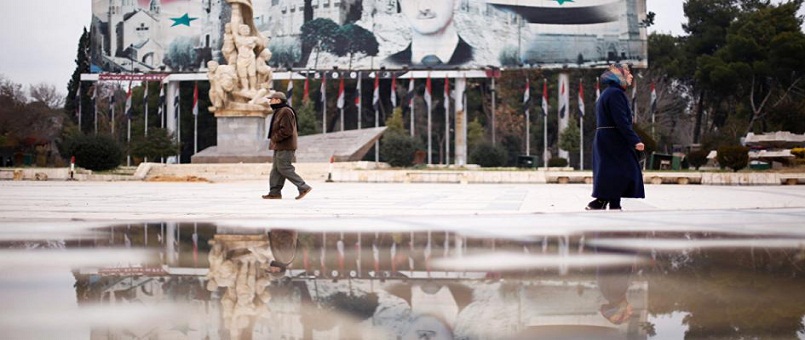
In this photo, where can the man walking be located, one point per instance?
(283, 135)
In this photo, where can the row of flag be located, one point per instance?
(563, 103)
(341, 101)
(128, 107)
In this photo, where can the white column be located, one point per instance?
(460, 121)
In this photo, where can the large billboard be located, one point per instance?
(181, 35)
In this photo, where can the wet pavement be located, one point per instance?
(109, 260)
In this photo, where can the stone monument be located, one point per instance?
(238, 90)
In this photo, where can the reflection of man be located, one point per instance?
(434, 38)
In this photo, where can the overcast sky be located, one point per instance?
(40, 37)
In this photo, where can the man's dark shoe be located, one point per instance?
(272, 197)
(303, 193)
(597, 204)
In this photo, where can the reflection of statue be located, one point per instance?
(245, 266)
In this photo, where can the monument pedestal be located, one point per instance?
(241, 139)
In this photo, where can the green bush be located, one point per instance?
(398, 149)
(697, 158)
(95, 152)
(487, 155)
(798, 152)
(159, 143)
(557, 162)
(733, 157)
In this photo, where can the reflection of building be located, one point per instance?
(411, 300)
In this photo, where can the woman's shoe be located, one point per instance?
(615, 205)
(597, 204)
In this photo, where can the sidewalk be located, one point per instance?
(198, 201)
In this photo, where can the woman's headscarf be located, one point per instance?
(615, 75)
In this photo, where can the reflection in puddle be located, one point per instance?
(205, 281)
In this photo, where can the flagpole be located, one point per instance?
(195, 118)
(360, 102)
(145, 110)
(545, 124)
(95, 106)
(411, 103)
(527, 103)
(446, 120)
(79, 108)
(430, 134)
(581, 126)
(128, 125)
(323, 91)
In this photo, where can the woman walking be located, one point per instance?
(616, 166)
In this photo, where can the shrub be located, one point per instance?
(96, 152)
(159, 143)
(397, 149)
(557, 162)
(733, 157)
(798, 152)
(697, 158)
(487, 155)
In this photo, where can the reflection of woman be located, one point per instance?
(616, 170)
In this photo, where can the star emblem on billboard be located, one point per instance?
(562, 2)
(186, 19)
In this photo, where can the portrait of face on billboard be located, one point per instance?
(181, 36)
(435, 41)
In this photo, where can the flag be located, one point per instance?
(428, 98)
(176, 106)
(195, 99)
(393, 90)
(527, 95)
(161, 98)
(306, 90)
(112, 101)
(128, 103)
(358, 92)
(409, 97)
(581, 100)
(562, 104)
(145, 93)
(545, 97)
(78, 101)
(323, 88)
(653, 98)
(376, 94)
(289, 92)
(446, 94)
(597, 90)
(634, 97)
(340, 101)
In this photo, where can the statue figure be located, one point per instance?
(246, 63)
(228, 48)
(242, 83)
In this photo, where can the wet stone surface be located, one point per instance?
(520, 279)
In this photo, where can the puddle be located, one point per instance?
(225, 281)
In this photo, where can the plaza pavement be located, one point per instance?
(31, 201)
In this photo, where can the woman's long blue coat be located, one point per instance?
(616, 167)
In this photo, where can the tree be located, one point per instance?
(308, 124)
(75, 85)
(320, 34)
(47, 94)
(351, 39)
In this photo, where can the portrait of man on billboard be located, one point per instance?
(435, 40)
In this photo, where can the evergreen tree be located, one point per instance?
(75, 86)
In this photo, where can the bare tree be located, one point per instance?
(47, 94)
